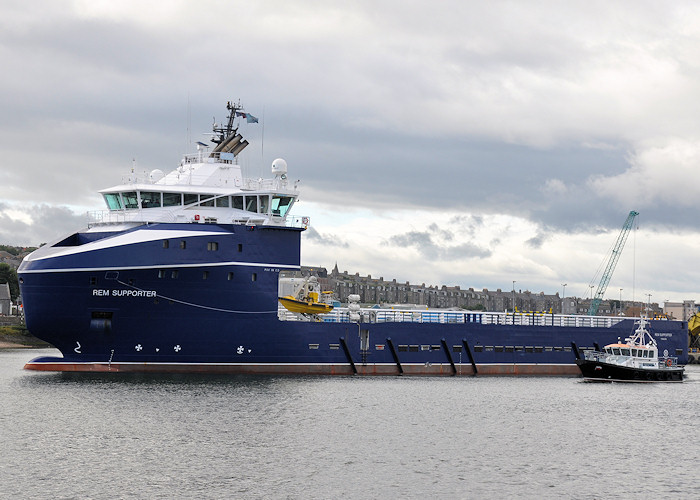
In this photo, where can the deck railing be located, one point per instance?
(213, 215)
(341, 315)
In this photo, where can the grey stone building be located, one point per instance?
(5, 300)
(391, 292)
(387, 292)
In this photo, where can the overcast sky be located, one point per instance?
(452, 142)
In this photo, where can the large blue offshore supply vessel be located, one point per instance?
(184, 271)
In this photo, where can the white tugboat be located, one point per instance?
(635, 360)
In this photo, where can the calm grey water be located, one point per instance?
(175, 436)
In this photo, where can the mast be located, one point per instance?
(227, 138)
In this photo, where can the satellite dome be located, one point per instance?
(279, 166)
(156, 175)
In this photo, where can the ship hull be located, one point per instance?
(597, 371)
(130, 302)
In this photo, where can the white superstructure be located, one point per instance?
(207, 187)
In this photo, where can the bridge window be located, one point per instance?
(222, 201)
(251, 203)
(237, 202)
(264, 204)
(191, 199)
(207, 200)
(114, 201)
(130, 199)
(150, 199)
(172, 199)
(280, 205)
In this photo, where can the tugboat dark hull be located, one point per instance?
(596, 371)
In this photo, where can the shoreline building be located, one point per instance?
(392, 292)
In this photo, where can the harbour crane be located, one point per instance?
(612, 262)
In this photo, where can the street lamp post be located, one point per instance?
(563, 296)
(620, 311)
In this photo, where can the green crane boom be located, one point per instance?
(614, 257)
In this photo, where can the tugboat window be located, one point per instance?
(183, 244)
(625, 352)
(616, 351)
(254, 277)
(166, 243)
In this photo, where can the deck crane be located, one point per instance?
(614, 257)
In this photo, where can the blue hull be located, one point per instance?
(207, 301)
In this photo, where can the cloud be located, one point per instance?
(517, 130)
(434, 244)
(536, 241)
(313, 235)
(36, 224)
(661, 176)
